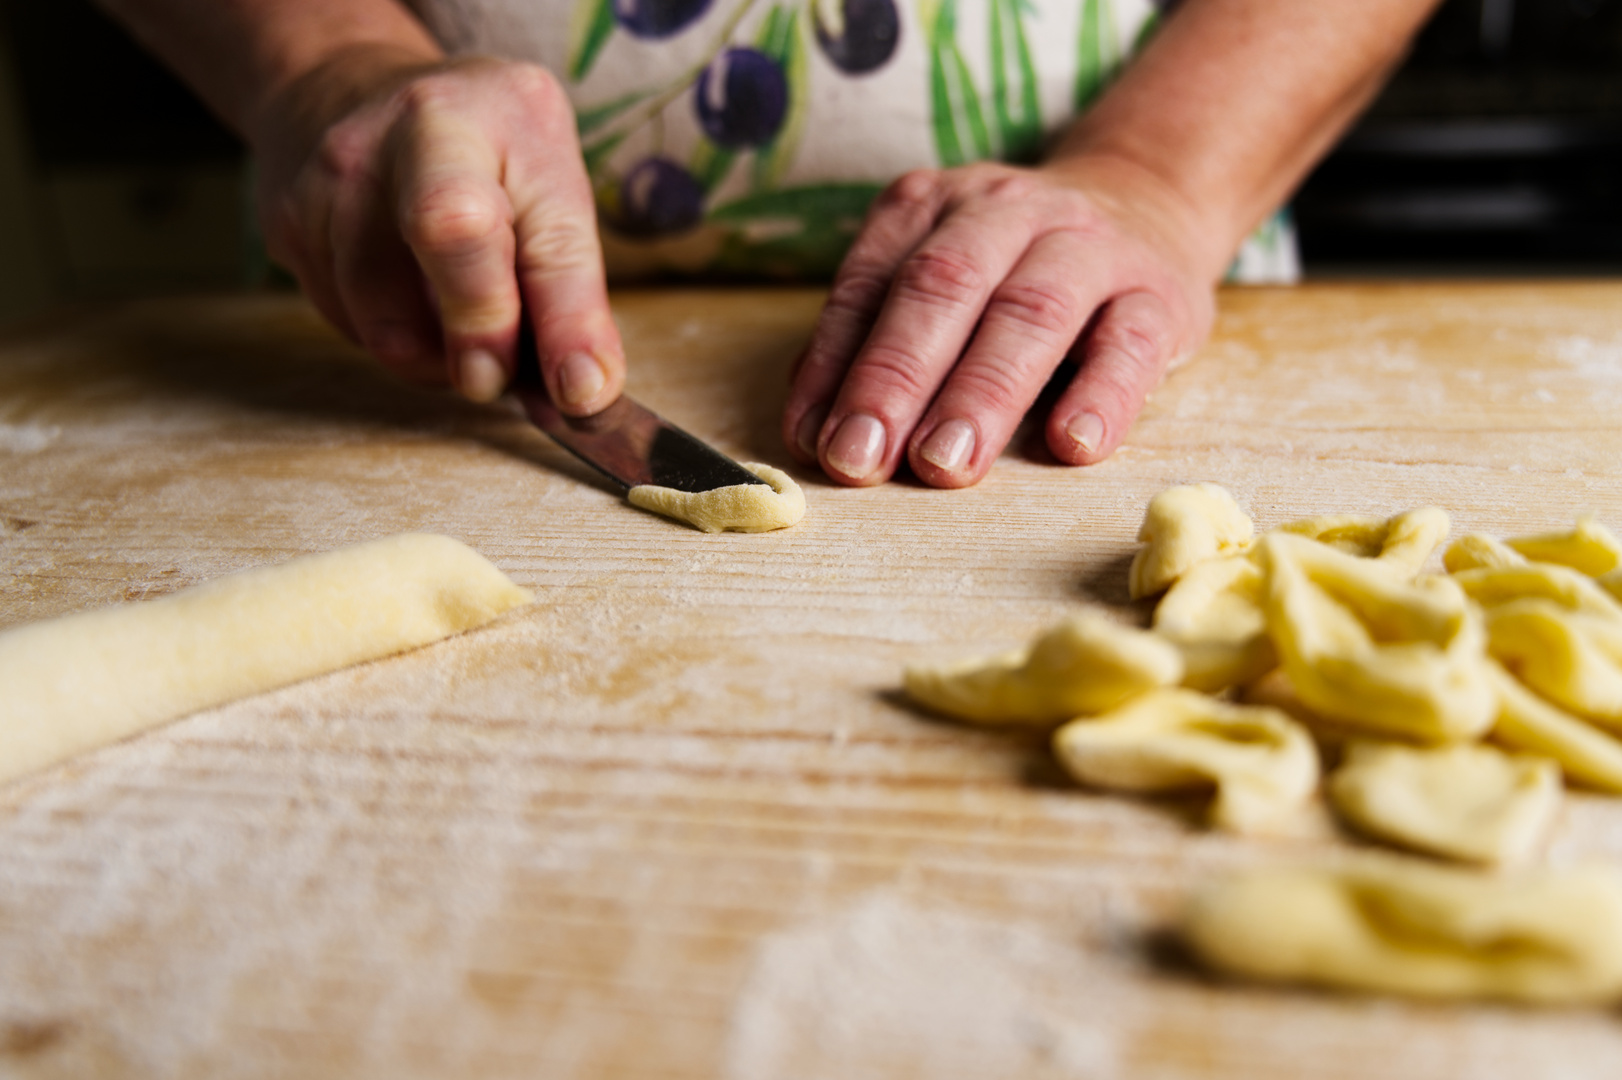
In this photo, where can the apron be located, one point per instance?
(746, 138)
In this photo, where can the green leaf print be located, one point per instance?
(593, 22)
(588, 120)
(598, 152)
(1013, 83)
(1096, 52)
(710, 164)
(818, 204)
(793, 232)
(783, 39)
(1145, 32)
(955, 113)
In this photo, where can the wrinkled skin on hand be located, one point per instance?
(423, 207)
(963, 293)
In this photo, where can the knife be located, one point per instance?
(626, 442)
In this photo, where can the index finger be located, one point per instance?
(456, 218)
(560, 259)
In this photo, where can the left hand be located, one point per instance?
(964, 291)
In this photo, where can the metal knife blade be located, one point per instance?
(626, 442)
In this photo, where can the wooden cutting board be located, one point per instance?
(673, 820)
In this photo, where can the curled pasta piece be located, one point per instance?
(1573, 659)
(1214, 614)
(1468, 801)
(1526, 721)
(776, 504)
(1261, 763)
(1491, 586)
(1377, 653)
(1404, 541)
(1589, 548)
(1085, 665)
(1477, 551)
(1404, 927)
(1183, 527)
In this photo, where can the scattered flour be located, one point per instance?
(888, 988)
(27, 438)
(1594, 360)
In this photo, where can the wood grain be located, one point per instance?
(673, 821)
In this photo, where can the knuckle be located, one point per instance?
(941, 277)
(1009, 187)
(450, 219)
(1048, 311)
(1114, 394)
(1143, 342)
(535, 86)
(561, 245)
(996, 387)
(345, 152)
(428, 95)
(893, 375)
(910, 189)
(858, 291)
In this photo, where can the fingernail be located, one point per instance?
(580, 379)
(480, 375)
(1086, 430)
(949, 446)
(857, 446)
(805, 436)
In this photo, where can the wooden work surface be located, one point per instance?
(672, 821)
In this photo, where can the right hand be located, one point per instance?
(425, 206)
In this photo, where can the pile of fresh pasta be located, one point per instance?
(1449, 705)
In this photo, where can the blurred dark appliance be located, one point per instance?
(1498, 145)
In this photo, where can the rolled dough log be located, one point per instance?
(1404, 927)
(740, 508)
(84, 680)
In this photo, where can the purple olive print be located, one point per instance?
(741, 98)
(659, 197)
(657, 18)
(857, 36)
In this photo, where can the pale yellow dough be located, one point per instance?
(1261, 763)
(1086, 664)
(741, 508)
(1571, 658)
(1478, 551)
(1183, 527)
(1214, 614)
(1403, 542)
(1590, 548)
(1491, 586)
(78, 682)
(1403, 927)
(1467, 802)
(1528, 722)
(1364, 647)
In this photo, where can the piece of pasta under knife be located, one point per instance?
(626, 442)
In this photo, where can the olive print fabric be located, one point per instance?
(747, 137)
